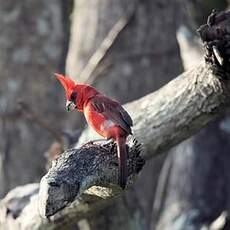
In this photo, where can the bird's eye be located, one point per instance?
(73, 97)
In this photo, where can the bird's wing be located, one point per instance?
(112, 110)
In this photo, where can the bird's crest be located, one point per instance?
(67, 83)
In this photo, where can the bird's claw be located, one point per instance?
(103, 145)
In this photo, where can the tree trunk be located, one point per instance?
(200, 178)
(31, 47)
(135, 63)
(197, 169)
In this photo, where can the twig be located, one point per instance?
(87, 75)
(25, 108)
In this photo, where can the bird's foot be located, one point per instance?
(106, 142)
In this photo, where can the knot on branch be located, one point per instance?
(76, 170)
(216, 38)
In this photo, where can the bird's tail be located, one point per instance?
(122, 158)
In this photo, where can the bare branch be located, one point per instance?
(25, 108)
(88, 74)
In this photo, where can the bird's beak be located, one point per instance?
(70, 106)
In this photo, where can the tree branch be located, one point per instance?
(161, 120)
(88, 74)
(27, 110)
(182, 107)
(77, 170)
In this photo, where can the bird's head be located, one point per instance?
(70, 90)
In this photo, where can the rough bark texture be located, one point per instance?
(132, 66)
(79, 169)
(31, 48)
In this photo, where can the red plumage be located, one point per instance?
(106, 116)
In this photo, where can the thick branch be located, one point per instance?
(182, 107)
(176, 111)
(161, 119)
(76, 170)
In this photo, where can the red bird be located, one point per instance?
(106, 116)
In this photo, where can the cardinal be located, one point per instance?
(106, 116)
